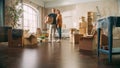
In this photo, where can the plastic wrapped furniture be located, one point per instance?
(21, 38)
(15, 38)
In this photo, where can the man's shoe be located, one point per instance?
(53, 40)
(58, 41)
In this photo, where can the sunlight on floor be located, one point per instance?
(29, 59)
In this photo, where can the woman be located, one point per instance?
(59, 24)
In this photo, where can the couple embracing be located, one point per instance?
(55, 21)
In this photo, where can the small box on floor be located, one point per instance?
(76, 38)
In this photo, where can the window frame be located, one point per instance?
(37, 14)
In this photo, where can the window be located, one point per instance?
(30, 20)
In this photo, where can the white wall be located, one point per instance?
(72, 13)
(68, 16)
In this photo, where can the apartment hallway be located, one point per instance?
(53, 55)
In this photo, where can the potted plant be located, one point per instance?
(14, 12)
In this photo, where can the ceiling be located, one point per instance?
(48, 0)
(55, 3)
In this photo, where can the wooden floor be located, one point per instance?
(53, 55)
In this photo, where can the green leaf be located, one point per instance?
(14, 13)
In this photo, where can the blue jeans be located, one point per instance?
(59, 32)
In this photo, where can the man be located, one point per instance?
(59, 24)
(52, 27)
